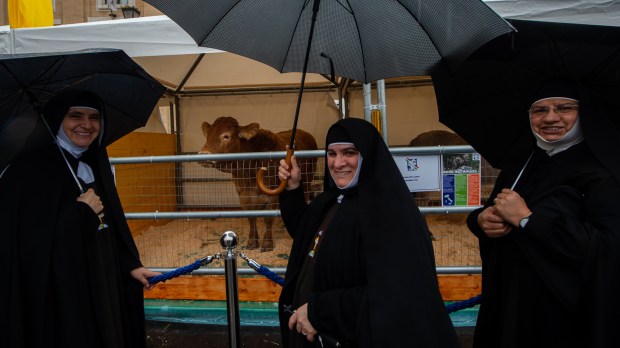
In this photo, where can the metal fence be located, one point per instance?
(178, 208)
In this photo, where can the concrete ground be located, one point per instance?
(182, 335)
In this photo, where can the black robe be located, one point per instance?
(556, 282)
(66, 283)
(375, 282)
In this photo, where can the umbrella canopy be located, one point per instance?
(28, 81)
(487, 98)
(363, 40)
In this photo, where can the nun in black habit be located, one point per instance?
(361, 269)
(69, 281)
(549, 236)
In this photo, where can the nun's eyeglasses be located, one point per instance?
(562, 109)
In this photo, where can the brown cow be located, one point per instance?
(225, 135)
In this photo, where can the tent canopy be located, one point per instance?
(159, 45)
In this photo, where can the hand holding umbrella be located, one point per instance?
(94, 202)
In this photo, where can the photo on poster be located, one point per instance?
(461, 163)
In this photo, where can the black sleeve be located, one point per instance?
(293, 206)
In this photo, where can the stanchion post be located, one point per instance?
(229, 242)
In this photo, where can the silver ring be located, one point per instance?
(304, 333)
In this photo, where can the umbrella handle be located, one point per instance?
(262, 171)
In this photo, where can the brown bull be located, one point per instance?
(225, 135)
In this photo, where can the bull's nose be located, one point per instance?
(206, 164)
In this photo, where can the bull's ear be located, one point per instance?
(248, 132)
(205, 127)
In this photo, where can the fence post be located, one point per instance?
(229, 242)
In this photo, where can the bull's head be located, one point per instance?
(224, 136)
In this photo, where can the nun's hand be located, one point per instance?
(299, 321)
(142, 274)
(511, 206)
(94, 202)
(292, 174)
(492, 223)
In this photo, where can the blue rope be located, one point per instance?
(452, 307)
(457, 306)
(263, 270)
(271, 275)
(180, 271)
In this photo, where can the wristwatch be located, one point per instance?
(524, 221)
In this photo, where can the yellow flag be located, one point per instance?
(30, 13)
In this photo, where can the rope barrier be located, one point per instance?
(263, 270)
(260, 269)
(457, 306)
(452, 307)
(183, 270)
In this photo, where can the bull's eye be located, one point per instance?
(225, 136)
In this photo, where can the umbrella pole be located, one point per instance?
(291, 148)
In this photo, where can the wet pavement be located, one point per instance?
(188, 335)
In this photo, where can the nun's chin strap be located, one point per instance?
(573, 137)
(84, 171)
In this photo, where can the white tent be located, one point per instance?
(172, 50)
(597, 12)
(5, 39)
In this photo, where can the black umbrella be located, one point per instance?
(487, 98)
(363, 40)
(28, 81)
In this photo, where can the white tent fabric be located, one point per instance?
(138, 37)
(596, 12)
(5, 39)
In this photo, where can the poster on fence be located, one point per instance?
(421, 173)
(460, 179)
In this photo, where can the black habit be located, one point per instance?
(373, 283)
(556, 282)
(67, 283)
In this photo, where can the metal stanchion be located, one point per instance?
(229, 242)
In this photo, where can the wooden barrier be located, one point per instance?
(452, 288)
(137, 187)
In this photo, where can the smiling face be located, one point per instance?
(82, 125)
(342, 161)
(552, 118)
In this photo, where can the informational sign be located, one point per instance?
(461, 179)
(421, 173)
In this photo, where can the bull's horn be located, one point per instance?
(262, 171)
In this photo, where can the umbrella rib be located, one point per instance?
(359, 36)
(290, 41)
(430, 38)
(605, 63)
(204, 37)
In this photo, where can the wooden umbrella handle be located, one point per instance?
(262, 171)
